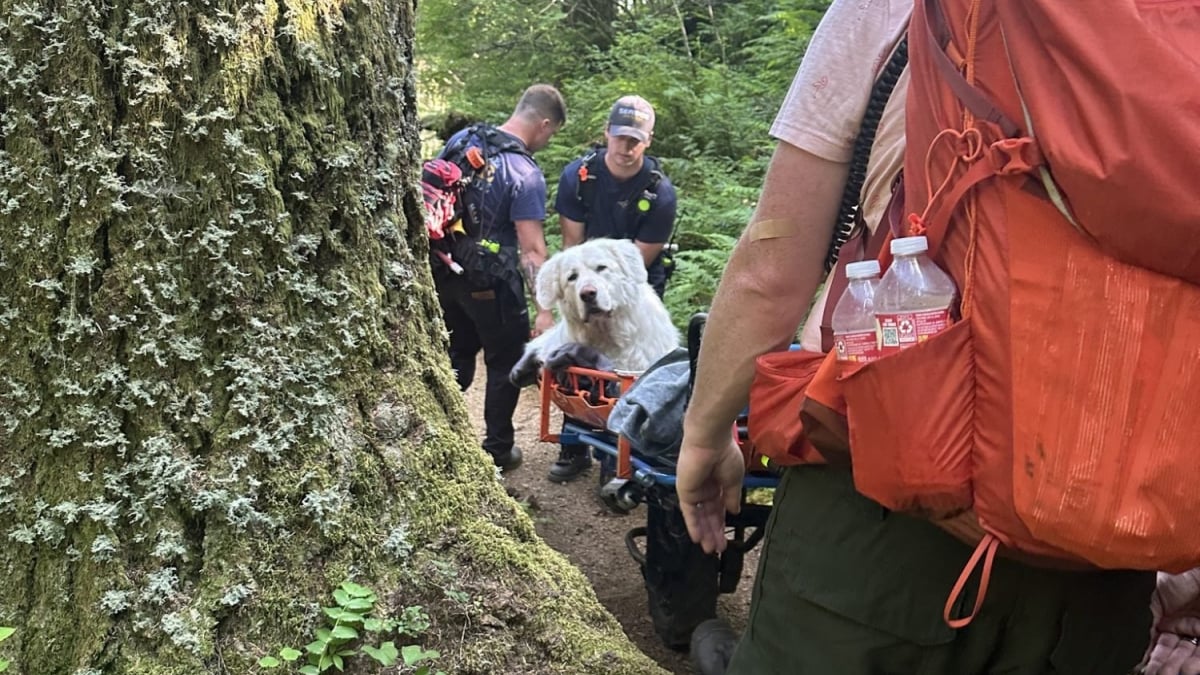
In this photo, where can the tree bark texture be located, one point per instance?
(224, 385)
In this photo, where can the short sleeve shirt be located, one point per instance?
(516, 191)
(824, 107)
(614, 211)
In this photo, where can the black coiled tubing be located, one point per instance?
(861, 156)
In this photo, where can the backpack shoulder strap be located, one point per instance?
(656, 175)
(650, 193)
(585, 187)
(881, 93)
(647, 194)
(457, 150)
(496, 142)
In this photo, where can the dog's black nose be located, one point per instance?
(588, 295)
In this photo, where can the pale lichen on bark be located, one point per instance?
(225, 387)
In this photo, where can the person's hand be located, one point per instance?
(1175, 633)
(708, 481)
(543, 322)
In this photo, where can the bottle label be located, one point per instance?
(900, 330)
(859, 346)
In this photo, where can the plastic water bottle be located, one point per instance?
(854, 334)
(914, 299)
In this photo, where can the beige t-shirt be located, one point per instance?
(828, 97)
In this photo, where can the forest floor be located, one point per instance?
(571, 519)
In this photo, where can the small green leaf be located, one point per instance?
(337, 662)
(342, 615)
(324, 634)
(344, 633)
(326, 662)
(342, 597)
(373, 625)
(389, 650)
(355, 590)
(316, 647)
(381, 655)
(358, 605)
(288, 654)
(3, 665)
(309, 670)
(269, 662)
(414, 654)
(5, 633)
(423, 670)
(346, 653)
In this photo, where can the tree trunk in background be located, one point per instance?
(225, 386)
(594, 20)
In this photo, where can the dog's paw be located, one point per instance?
(525, 372)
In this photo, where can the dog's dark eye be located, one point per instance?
(601, 268)
(572, 276)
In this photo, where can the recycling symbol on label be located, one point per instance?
(906, 326)
(841, 347)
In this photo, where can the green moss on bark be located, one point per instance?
(225, 385)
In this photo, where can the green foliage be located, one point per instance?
(716, 73)
(5, 633)
(353, 619)
(692, 285)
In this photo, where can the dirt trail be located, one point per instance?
(572, 519)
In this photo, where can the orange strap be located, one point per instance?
(987, 550)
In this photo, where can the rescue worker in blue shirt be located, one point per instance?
(485, 309)
(619, 192)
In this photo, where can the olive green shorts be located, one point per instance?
(845, 587)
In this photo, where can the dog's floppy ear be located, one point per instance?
(629, 256)
(549, 285)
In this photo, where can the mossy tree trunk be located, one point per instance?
(224, 385)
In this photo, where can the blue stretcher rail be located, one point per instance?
(644, 472)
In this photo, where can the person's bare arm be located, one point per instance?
(572, 231)
(649, 251)
(532, 240)
(763, 296)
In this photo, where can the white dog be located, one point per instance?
(604, 302)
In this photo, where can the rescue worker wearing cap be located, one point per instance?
(620, 192)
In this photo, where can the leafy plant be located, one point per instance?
(353, 618)
(5, 633)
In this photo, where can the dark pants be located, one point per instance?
(498, 323)
(846, 588)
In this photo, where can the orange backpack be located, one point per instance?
(1049, 158)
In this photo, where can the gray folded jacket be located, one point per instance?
(650, 414)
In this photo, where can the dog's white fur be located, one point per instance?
(625, 321)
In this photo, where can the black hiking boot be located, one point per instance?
(509, 460)
(573, 461)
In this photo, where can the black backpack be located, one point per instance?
(454, 185)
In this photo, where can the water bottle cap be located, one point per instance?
(862, 270)
(909, 245)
